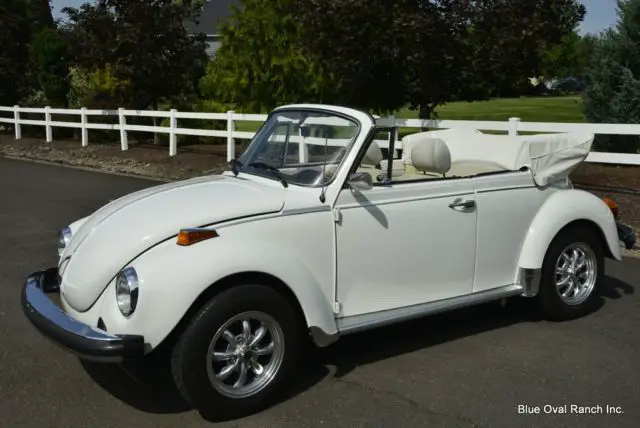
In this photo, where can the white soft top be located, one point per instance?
(550, 157)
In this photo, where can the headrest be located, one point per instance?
(431, 155)
(373, 156)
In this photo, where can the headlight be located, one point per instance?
(63, 238)
(127, 291)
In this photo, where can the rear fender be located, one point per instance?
(560, 210)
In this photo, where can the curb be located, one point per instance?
(86, 168)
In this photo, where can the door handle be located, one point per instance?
(462, 203)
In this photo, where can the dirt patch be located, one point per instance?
(618, 176)
(140, 159)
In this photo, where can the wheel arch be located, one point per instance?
(562, 211)
(318, 335)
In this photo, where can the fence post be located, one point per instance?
(173, 124)
(303, 149)
(47, 121)
(513, 126)
(16, 118)
(85, 131)
(124, 143)
(231, 144)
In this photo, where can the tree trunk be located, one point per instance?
(425, 114)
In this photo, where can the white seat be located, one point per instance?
(431, 155)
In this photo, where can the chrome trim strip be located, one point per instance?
(357, 323)
(310, 210)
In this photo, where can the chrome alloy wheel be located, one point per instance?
(245, 354)
(576, 273)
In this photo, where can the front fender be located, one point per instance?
(560, 209)
(173, 277)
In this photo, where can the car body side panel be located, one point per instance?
(507, 203)
(559, 210)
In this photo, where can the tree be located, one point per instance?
(49, 53)
(361, 47)
(570, 57)
(613, 79)
(432, 52)
(144, 43)
(19, 21)
(262, 63)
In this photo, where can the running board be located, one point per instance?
(358, 323)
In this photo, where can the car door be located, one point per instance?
(404, 242)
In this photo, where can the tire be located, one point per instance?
(579, 301)
(192, 366)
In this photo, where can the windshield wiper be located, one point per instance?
(273, 169)
(235, 164)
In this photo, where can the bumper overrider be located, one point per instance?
(78, 338)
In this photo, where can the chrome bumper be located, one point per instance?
(78, 338)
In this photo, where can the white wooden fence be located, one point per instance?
(11, 115)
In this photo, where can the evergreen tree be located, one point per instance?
(613, 79)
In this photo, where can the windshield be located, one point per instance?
(300, 147)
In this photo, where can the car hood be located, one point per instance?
(123, 229)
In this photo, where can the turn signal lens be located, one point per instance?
(188, 237)
(612, 205)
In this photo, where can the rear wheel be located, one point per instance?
(572, 271)
(239, 353)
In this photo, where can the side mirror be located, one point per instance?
(360, 181)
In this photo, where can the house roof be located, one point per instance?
(214, 12)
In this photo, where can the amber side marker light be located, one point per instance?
(188, 237)
(612, 205)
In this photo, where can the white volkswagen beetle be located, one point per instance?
(325, 226)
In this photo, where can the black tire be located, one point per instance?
(549, 300)
(189, 358)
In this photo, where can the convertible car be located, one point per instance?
(325, 226)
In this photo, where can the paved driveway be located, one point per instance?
(464, 369)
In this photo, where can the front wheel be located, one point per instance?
(239, 352)
(572, 271)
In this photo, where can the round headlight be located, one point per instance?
(63, 237)
(127, 291)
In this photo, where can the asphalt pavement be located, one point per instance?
(477, 367)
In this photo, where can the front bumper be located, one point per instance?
(78, 338)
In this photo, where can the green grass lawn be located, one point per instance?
(528, 109)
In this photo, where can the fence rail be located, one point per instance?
(11, 116)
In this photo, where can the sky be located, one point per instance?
(601, 14)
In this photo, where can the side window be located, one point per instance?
(377, 156)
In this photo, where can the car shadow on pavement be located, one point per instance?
(406, 337)
(147, 385)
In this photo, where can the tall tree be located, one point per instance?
(613, 79)
(49, 53)
(433, 51)
(20, 20)
(570, 57)
(262, 62)
(144, 42)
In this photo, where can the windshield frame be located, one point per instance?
(264, 128)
